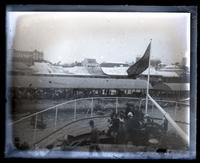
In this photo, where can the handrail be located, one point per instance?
(177, 102)
(182, 134)
(28, 116)
(161, 119)
(87, 98)
(74, 101)
(53, 107)
(59, 129)
(75, 121)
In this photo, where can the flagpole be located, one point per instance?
(147, 93)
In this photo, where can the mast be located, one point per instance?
(147, 92)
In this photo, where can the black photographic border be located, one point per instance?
(122, 8)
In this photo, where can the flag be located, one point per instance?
(141, 65)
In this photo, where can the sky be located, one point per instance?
(105, 36)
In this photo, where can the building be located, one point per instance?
(184, 61)
(107, 64)
(153, 62)
(38, 56)
(87, 62)
(27, 57)
(171, 68)
(161, 65)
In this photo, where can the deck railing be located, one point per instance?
(39, 125)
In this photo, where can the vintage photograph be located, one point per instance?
(98, 82)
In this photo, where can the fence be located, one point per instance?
(172, 121)
(37, 126)
(174, 108)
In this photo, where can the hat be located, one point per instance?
(130, 114)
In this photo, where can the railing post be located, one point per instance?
(180, 131)
(175, 110)
(75, 110)
(152, 107)
(146, 105)
(116, 109)
(175, 116)
(55, 123)
(92, 107)
(148, 80)
(35, 128)
(140, 104)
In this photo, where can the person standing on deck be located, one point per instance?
(165, 125)
(132, 126)
(127, 110)
(121, 129)
(94, 138)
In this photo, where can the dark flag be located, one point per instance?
(141, 65)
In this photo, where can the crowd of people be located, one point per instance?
(124, 125)
(131, 125)
(61, 93)
(128, 125)
(40, 93)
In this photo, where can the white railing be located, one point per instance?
(174, 103)
(74, 129)
(70, 101)
(33, 127)
(181, 133)
(59, 115)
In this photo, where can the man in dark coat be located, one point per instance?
(94, 138)
(132, 126)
